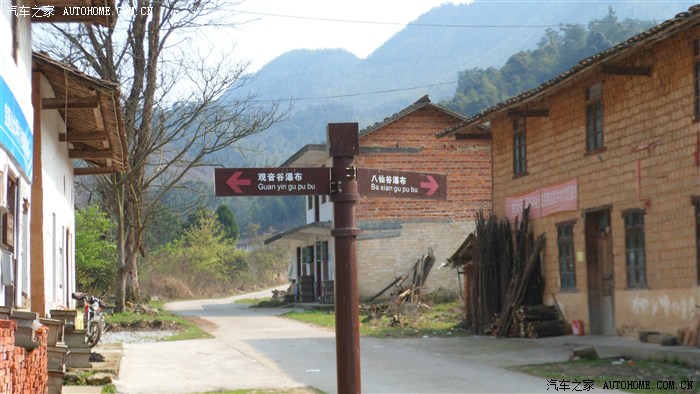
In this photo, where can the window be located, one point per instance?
(519, 148)
(696, 54)
(567, 268)
(696, 203)
(594, 117)
(309, 202)
(634, 248)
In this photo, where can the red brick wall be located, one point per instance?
(22, 371)
(466, 163)
(7, 351)
(441, 225)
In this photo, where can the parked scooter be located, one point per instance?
(93, 317)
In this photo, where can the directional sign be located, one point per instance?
(273, 181)
(406, 184)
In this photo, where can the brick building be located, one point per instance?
(396, 232)
(607, 155)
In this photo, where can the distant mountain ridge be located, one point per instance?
(334, 85)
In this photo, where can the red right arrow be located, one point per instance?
(431, 185)
(233, 182)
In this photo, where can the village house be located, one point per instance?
(396, 232)
(78, 118)
(607, 157)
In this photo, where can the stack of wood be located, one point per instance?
(419, 272)
(506, 273)
(536, 321)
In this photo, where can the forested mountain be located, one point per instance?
(465, 56)
(556, 52)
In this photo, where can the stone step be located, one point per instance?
(78, 358)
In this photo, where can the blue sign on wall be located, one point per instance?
(15, 133)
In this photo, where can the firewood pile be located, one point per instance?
(419, 274)
(536, 321)
(506, 274)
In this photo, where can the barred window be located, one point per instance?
(594, 117)
(696, 54)
(696, 204)
(567, 267)
(519, 148)
(634, 248)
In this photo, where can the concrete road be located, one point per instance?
(254, 348)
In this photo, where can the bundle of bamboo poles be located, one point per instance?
(506, 273)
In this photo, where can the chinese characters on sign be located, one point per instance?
(374, 182)
(271, 181)
(15, 132)
(545, 201)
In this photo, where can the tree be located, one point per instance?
(228, 221)
(173, 113)
(95, 250)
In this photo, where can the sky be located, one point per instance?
(273, 27)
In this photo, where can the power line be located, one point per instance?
(356, 94)
(387, 23)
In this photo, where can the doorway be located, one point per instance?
(600, 273)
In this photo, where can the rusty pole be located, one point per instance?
(343, 146)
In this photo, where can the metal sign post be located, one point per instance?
(343, 143)
(341, 183)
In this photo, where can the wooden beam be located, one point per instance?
(88, 136)
(622, 70)
(70, 102)
(89, 154)
(528, 113)
(93, 171)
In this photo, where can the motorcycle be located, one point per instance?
(93, 318)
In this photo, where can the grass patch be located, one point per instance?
(265, 302)
(301, 390)
(442, 320)
(606, 372)
(109, 389)
(164, 320)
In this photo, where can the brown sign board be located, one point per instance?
(406, 184)
(274, 181)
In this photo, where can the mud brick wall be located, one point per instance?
(22, 371)
(398, 231)
(650, 124)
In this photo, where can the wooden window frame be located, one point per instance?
(567, 255)
(696, 206)
(595, 137)
(635, 246)
(696, 73)
(519, 147)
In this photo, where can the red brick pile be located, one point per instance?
(21, 370)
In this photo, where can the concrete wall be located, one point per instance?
(650, 132)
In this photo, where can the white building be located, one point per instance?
(79, 119)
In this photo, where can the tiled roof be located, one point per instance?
(422, 102)
(681, 21)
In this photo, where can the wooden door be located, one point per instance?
(600, 273)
